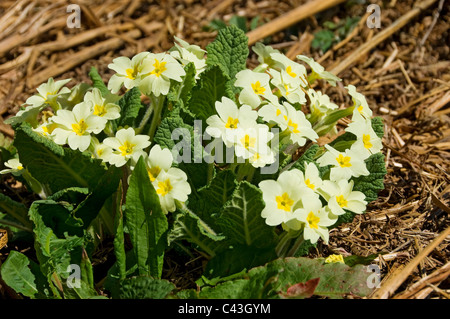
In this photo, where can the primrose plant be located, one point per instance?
(199, 155)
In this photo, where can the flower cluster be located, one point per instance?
(83, 118)
(278, 93)
(276, 101)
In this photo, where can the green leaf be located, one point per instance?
(58, 216)
(184, 139)
(370, 185)
(211, 87)
(229, 50)
(97, 82)
(378, 126)
(323, 40)
(146, 223)
(16, 273)
(308, 157)
(188, 226)
(273, 279)
(359, 260)
(54, 254)
(180, 92)
(240, 22)
(89, 208)
(144, 287)
(130, 105)
(211, 198)
(236, 259)
(14, 209)
(163, 135)
(54, 165)
(241, 219)
(82, 292)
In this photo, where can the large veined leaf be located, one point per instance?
(211, 198)
(56, 254)
(241, 219)
(188, 226)
(275, 279)
(146, 222)
(54, 165)
(17, 274)
(229, 50)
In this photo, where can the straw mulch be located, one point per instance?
(405, 77)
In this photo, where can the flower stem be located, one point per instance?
(145, 118)
(156, 116)
(298, 242)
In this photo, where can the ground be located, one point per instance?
(406, 79)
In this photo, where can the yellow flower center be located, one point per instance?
(153, 172)
(343, 161)
(308, 183)
(160, 67)
(293, 127)
(131, 73)
(20, 167)
(257, 88)
(366, 141)
(248, 141)
(80, 127)
(50, 94)
(360, 109)
(99, 110)
(231, 123)
(278, 112)
(313, 220)
(126, 148)
(287, 88)
(164, 187)
(284, 202)
(342, 202)
(45, 130)
(289, 71)
(100, 152)
(256, 157)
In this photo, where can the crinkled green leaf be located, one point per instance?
(184, 137)
(130, 105)
(146, 222)
(307, 157)
(370, 185)
(211, 87)
(54, 165)
(97, 82)
(144, 287)
(241, 219)
(229, 50)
